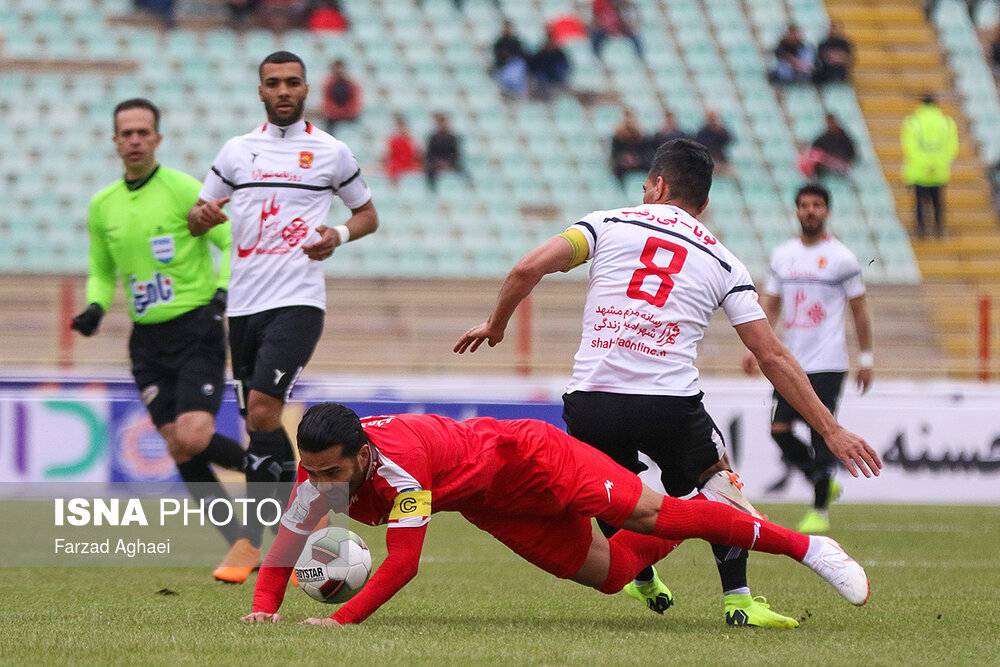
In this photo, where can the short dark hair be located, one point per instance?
(328, 425)
(280, 58)
(136, 103)
(686, 167)
(813, 189)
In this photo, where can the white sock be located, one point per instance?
(743, 590)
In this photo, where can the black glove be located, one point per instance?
(88, 321)
(218, 302)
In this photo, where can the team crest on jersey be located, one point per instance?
(162, 247)
(306, 159)
(822, 262)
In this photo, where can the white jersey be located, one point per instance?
(281, 180)
(656, 277)
(815, 283)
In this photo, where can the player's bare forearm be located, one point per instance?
(363, 220)
(553, 255)
(206, 214)
(398, 568)
(862, 322)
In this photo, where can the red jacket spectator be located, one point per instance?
(341, 97)
(402, 154)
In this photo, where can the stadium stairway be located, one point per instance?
(898, 57)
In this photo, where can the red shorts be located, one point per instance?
(545, 494)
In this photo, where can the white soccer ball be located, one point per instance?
(334, 565)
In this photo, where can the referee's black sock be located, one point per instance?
(203, 485)
(226, 452)
(647, 573)
(795, 452)
(732, 564)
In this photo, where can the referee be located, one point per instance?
(176, 298)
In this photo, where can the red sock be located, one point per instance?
(719, 523)
(630, 553)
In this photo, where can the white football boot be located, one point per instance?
(829, 560)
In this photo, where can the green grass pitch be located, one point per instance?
(935, 573)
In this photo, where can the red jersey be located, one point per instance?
(455, 461)
(523, 481)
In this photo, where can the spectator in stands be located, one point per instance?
(163, 9)
(240, 12)
(716, 138)
(443, 152)
(613, 17)
(995, 52)
(549, 67)
(627, 148)
(282, 15)
(341, 96)
(796, 60)
(831, 152)
(667, 132)
(930, 144)
(327, 16)
(835, 56)
(459, 4)
(402, 154)
(510, 63)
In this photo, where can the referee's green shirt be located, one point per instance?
(139, 232)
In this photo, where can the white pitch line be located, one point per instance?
(983, 565)
(912, 528)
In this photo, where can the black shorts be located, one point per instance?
(271, 348)
(179, 365)
(826, 385)
(676, 432)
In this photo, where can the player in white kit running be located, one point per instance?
(281, 179)
(657, 274)
(813, 278)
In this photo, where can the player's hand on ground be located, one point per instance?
(749, 363)
(854, 452)
(208, 214)
(88, 321)
(864, 379)
(328, 240)
(320, 621)
(475, 336)
(261, 617)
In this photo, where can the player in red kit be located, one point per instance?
(525, 482)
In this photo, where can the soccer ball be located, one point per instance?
(334, 565)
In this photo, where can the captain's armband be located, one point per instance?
(581, 249)
(410, 504)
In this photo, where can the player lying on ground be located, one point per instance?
(525, 482)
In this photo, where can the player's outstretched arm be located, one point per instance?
(771, 304)
(206, 214)
(784, 372)
(553, 255)
(400, 565)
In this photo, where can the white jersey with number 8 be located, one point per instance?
(656, 276)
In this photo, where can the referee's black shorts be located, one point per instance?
(827, 387)
(269, 349)
(179, 365)
(676, 432)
